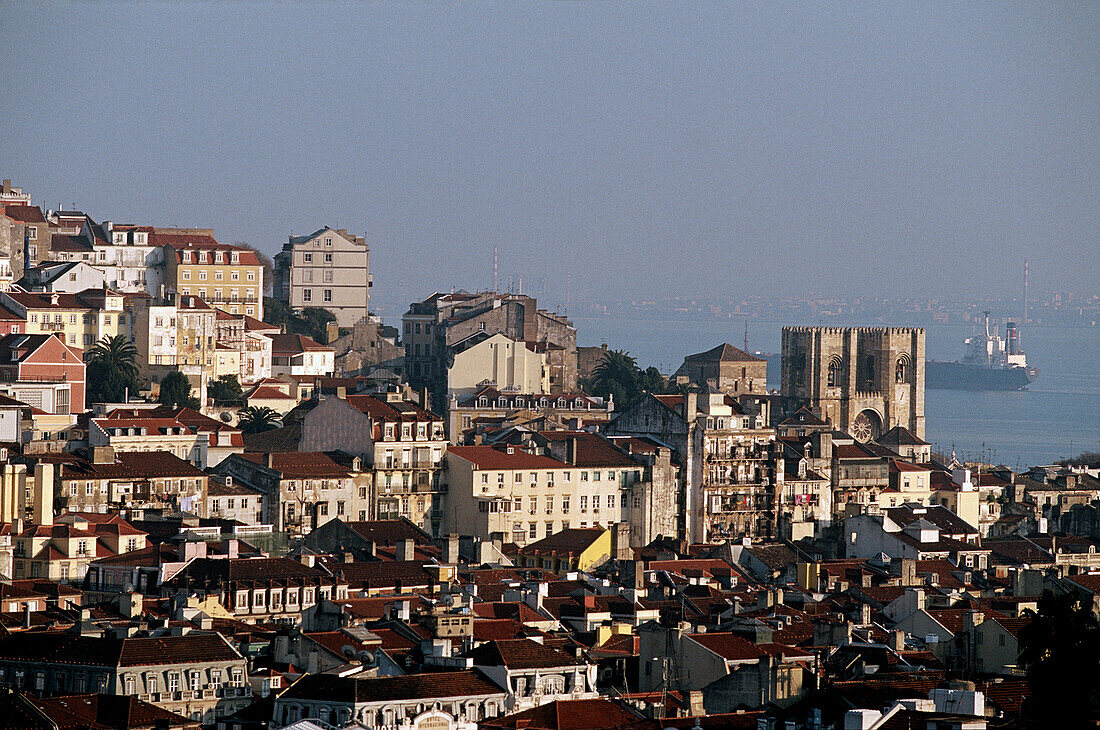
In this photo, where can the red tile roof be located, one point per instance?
(491, 457)
(521, 654)
(294, 344)
(24, 213)
(301, 464)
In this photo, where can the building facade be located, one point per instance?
(862, 380)
(327, 268)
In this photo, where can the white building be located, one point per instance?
(327, 268)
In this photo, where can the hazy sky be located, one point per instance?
(614, 149)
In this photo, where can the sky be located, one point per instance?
(608, 150)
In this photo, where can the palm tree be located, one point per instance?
(117, 353)
(617, 375)
(112, 370)
(257, 419)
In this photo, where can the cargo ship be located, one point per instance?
(991, 363)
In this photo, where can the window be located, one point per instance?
(533, 530)
(327, 295)
(565, 504)
(173, 682)
(328, 258)
(326, 276)
(32, 233)
(584, 503)
(308, 258)
(611, 501)
(202, 275)
(307, 295)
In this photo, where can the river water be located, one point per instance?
(1058, 416)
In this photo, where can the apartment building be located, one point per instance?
(490, 402)
(299, 356)
(71, 277)
(80, 319)
(301, 490)
(227, 277)
(515, 495)
(175, 333)
(401, 442)
(42, 371)
(431, 327)
(198, 675)
(727, 458)
(497, 360)
(106, 481)
(327, 268)
(24, 232)
(258, 589)
(128, 430)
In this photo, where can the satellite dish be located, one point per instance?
(128, 588)
(226, 416)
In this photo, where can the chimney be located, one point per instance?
(695, 703)
(43, 494)
(131, 605)
(571, 451)
(897, 641)
(27, 615)
(103, 455)
(450, 550)
(406, 550)
(691, 405)
(909, 572)
(620, 542)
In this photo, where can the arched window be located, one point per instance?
(836, 372)
(902, 369)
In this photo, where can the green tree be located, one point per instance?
(310, 321)
(112, 370)
(616, 375)
(225, 389)
(175, 391)
(257, 419)
(1060, 648)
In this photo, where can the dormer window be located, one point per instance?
(235, 257)
(186, 257)
(218, 257)
(141, 238)
(119, 237)
(202, 257)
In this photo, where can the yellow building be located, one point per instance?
(227, 277)
(581, 548)
(80, 319)
(909, 484)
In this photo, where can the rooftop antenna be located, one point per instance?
(495, 284)
(746, 335)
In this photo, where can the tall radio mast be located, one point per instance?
(1025, 292)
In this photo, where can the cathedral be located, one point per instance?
(862, 380)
